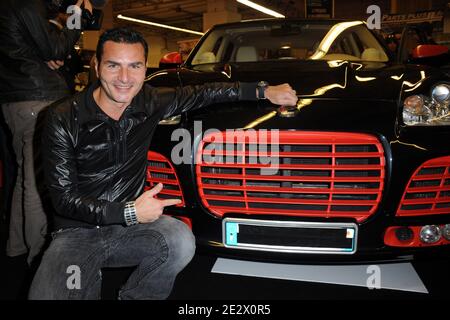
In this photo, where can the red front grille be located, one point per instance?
(160, 170)
(428, 190)
(319, 174)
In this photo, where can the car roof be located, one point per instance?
(278, 20)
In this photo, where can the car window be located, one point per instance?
(410, 40)
(401, 41)
(266, 42)
(289, 41)
(350, 41)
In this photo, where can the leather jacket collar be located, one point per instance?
(92, 116)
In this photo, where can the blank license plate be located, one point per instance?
(290, 236)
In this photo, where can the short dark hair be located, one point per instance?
(120, 35)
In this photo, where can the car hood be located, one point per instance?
(314, 79)
(333, 95)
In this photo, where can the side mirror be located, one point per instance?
(429, 50)
(170, 60)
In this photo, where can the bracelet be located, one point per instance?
(129, 213)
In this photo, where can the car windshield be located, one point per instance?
(290, 41)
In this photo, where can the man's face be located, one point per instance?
(121, 72)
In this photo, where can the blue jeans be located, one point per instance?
(71, 266)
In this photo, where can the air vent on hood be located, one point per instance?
(428, 191)
(160, 170)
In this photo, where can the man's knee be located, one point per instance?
(181, 242)
(187, 242)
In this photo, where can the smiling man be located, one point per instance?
(121, 74)
(95, 146)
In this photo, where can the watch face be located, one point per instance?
(261, 86)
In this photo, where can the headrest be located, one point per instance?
(205, 57)
(246, 54)
(371, 54)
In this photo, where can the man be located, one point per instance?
(30, 53)
(95, 146)
(72, 64)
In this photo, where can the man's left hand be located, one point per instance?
(282, 94)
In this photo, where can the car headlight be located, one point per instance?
(441, 93)
(428, 111)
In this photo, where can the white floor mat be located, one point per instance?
(395, 276)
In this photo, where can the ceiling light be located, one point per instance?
(159, 25)
(261, 8)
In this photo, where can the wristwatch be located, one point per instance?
(129, 213)
(261, 87)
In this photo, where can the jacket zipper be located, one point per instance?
(110, 143)
(110, 159)
(124, 126)
(121, 141)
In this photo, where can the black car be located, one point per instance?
(358, 170)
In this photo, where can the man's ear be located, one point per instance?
(96, 66)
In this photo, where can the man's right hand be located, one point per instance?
(148, 208)
(55, 64)
(87, 5)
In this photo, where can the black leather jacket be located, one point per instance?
(26, 42)
(94, 164)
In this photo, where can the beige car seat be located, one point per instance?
(246, 54)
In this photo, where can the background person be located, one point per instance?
(30, 53)
(72, 64)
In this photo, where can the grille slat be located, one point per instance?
(324, 174)
(267, 200)
(316, 196)
(250, 188)
(291, 166)
(281, 154)
(427, 190)
(294, 178)
(286, 206)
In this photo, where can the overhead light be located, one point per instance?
(261, 8)
(159, 25)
